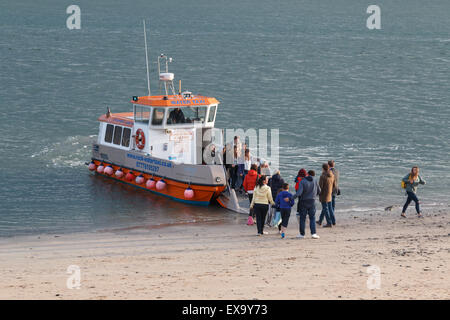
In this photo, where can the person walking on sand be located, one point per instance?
(336, 190)
(300, 175)
(262, 197)
(276, 184)
(411, 182)
(307, 192)
(285, 201)
(249, 185)
(326, 184)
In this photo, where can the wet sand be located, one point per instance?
(217, 261)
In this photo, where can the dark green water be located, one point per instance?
(376, 101)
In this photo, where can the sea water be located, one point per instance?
(375, 101)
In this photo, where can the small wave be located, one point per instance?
(361, 209)
(71, 152)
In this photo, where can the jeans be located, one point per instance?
(411, 197)
(285, 214)
(328, 213)
(261, 212)
(333, 201)
(252, 211)
(311, 213)
(234, 176)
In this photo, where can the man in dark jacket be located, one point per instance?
(308, 190)
(276, 183)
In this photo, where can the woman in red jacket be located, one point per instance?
(249, 185)
(301, 174)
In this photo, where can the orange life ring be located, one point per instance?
(140, 139)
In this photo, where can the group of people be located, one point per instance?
(240, 164)
(273, 194)
(270, 193)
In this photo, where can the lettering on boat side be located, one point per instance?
(149, 161)
(195, 101)
(145, 166)
(121, 121)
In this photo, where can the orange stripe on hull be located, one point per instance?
(173, 189)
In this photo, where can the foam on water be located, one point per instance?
(375, 101)
(71, 152)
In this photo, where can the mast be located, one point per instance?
(146, 58)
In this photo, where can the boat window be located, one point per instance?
(141, 114)
(212, 113)
(126, 137)
(186, 115)
(109, 133)
(158, 116)
(117, 135)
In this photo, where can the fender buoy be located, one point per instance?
(150, 183)
(109, 170)
(188, 193)
(100, 168)
(160, 185)
(140, 139)
(119, 173)
(92, 166)
(129, 176)
(140, 179)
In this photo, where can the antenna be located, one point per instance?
(146, 58)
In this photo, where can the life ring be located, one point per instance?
(140, 139)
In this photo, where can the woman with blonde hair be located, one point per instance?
(410, 182)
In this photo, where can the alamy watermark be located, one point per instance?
(74, 20)
(74, 280)
(228, 146)
(374, 279)
(374, 20)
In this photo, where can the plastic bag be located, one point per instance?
(276, 219)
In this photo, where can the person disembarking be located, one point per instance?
(326, 183)
(249, 185)
(276, 184)
(285, 201)
(262, 197)
(300, 175)
(307, 192)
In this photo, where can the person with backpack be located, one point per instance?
(284, 201)
(326, 183)
(336, 190)
(307, 192)
(410, 183)
(262, 197)
(249, 185)
(300, 175)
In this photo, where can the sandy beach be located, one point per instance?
(217, 261)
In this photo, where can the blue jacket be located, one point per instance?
(308, 189)
(281, 203)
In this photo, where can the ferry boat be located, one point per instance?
(159, 146)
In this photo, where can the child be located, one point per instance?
(285, 207)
